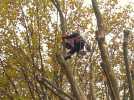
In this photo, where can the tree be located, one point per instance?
(31, 60)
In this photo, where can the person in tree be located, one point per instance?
(74, 42)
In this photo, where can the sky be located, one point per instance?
(120, 2)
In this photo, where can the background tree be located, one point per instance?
(30, 37)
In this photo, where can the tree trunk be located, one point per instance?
(106, 66)
(78, 93)
(125, 51)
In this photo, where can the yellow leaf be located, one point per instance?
(49, 60)
(50, 45)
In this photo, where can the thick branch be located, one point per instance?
(62, 95)
(100, 37)
(76, 90)
(125, 51)
(62, 19)
(97, 14)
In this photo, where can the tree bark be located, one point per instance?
(79, 95)
(62, 19)
(76, 90)
(125, 52)
(55, 90)
(106, 66)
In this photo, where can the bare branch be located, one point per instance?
(62, 95)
